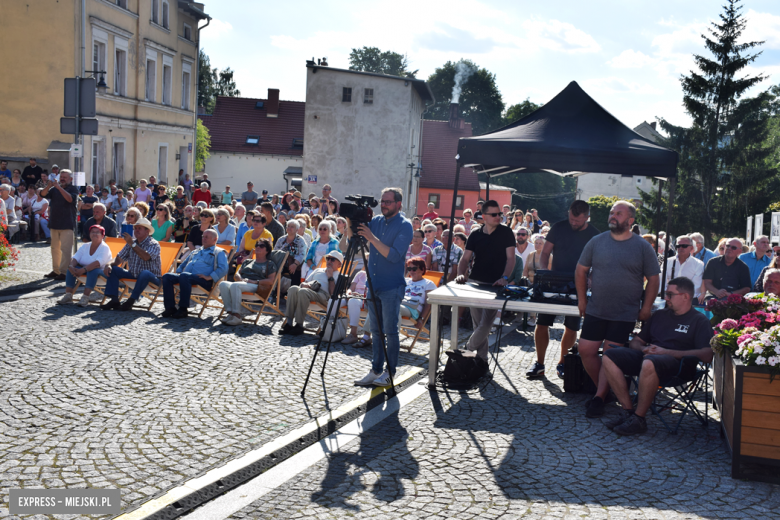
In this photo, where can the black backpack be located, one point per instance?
(464, 368)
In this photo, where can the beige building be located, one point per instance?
(146, 118)
(624, 187)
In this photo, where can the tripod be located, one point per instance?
(356, 243)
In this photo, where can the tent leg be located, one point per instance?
(487, 188)
(672, 185)
(658, 204)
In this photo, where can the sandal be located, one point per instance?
(363, 342)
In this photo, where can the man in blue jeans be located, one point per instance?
(204, 267)
(389, 237)
(142, 255)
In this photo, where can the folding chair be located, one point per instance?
(116, 245)
(408, 326)
(259, 305)
(200, 295)
(169, 253)
(677, 394)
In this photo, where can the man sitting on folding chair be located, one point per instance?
(660, 352)
(142, 255)
(203, 267)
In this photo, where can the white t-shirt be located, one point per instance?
(415, 294)
(319, 252)
(320, 275)
(529, 248)
(360, 282)
(102, 255)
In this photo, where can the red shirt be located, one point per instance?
(200, 195)
(431, 215)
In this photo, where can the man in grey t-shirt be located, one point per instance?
(619, 262)
(249, 197)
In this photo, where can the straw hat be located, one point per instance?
(145, 223)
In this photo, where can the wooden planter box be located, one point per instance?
(749, 408)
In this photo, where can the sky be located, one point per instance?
(628, 55)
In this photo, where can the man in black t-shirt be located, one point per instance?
(32, 173)
(656, 355)
(565, 241)
(727, 274)
(492, 266)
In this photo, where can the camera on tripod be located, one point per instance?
(359, 210)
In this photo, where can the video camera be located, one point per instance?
(359, 210)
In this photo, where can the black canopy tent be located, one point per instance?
(569, 136)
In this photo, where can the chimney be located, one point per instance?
(272, 106)
(455, 121)
(652, 125)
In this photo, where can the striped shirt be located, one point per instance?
(135, 264)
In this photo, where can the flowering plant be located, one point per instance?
(8, 254)
(754, 336)
(734, 307)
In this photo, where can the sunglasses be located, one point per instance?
(733, 248)
(682, 246)
(257, 221)
(499, 214)
(161, 209)
(412, 269)
(669, 294)
(430, 231)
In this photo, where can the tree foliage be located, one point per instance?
(519, 111)
(600, 205)
(202, 146)
(725, 170)
(546, 192)
(373, 59)
(213, 82)
(480, 101)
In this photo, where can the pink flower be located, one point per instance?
(743, 338)
(728, 324)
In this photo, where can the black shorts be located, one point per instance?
(629, 361)
(596, 329)
(570, 322)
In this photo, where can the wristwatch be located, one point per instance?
(330, 279)
(505, 277)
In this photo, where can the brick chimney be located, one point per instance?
(272, 106)
(652, 125)
(455, 121)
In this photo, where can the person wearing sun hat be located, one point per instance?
(142, 255)
(318, 287)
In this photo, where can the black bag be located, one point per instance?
(463, 368)
(575, 378)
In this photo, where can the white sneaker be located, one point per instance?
(383, 380)
(84, 301)
(66, 299)
(368, 380)
(233, 321)
(95, 296)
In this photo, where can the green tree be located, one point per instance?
(207, 79)
(202, 146)
(724, 170)
(546, 192)
(600, 205)
(226, 86)
(373, 59)
(480, 100)
(519, 111)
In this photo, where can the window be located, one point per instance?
(120, 66)
(297, 142)
(259, 105)
(167, 72)
(346, 95)
(98, 160)
(252, 139)
(98, 55)
(368, 96)
(151, 80)
(435, 198)
(165, 14)
(122, 3)
(187, 32)
(458, 202)
(156, 11)
(186, 76)
(119, 161)
(162, 163)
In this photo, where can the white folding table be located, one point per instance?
(483, 297)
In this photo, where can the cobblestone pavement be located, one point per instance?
(27, 274)
(519, 448)
(129, 400)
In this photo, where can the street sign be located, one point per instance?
(749, 236)
(87, 127)
(86, 97)
(312, 179)
(758, 228)
(76, 151)
(774, 234)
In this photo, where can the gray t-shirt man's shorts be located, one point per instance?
(618, 271)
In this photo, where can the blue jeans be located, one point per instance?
(92, 276)
(388, 304)
(144, 278)
(185, 281)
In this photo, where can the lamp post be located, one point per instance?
(101, 85)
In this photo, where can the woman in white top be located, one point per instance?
(355, 304)
(40, 210)
(89, 260)
(467, 223)
(143, 194)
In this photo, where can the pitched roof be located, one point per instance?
(235, 118)
(439, 147)
(420, 85)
